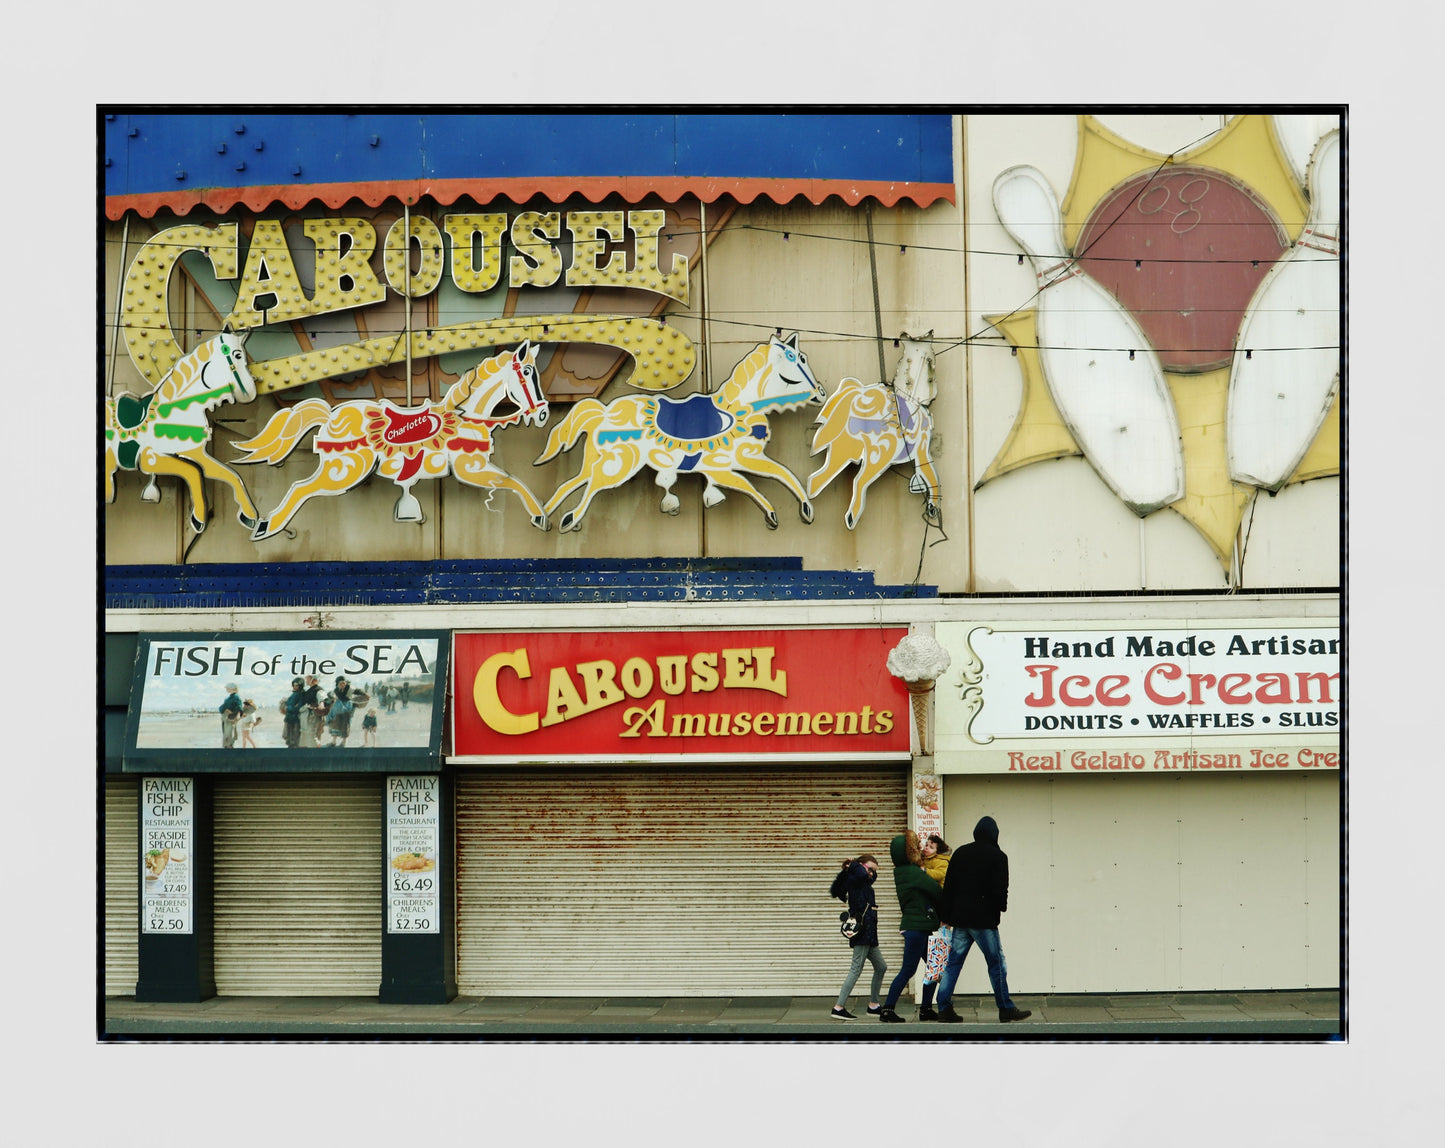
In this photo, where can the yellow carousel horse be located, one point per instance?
(406, 444)
(718, 436)
(168, 430)
(878, 425)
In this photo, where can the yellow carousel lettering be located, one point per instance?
(672, 673)
(599, 680)
(635, 717)
(144, 312)
(538, 263)
(270, 289)
(489, 703)
(428, 238)
(637, 677)
(464, 230)
(647, 274)
(342, 269)
(590, 686)
(739, 672)
(704, 672)
(587, 248)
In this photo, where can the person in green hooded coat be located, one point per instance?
(919, 896)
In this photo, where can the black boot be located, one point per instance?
(888, 1016)
(1007, 1014)
(948, 1016)
(926, 1012)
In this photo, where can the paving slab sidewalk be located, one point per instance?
(1247, 1016)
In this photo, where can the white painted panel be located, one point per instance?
(1276, 555)
(1152, 884)
(1323, 879)
(1054, 526)
(1115, 908)
(1175, 554)
(992, 143)
(1242, 851)
(1165, 134)
(1025, 834)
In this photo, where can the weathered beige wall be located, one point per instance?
(1160, 884)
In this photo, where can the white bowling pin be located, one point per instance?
(1119, 410)
(1287, 358)
(1298, 136)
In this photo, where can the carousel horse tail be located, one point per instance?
(581, 419)
(279, 436)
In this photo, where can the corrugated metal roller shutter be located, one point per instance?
(298, 886)
(122, 884)
(681, 882)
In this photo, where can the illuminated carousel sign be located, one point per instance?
(404, 303)
(274, 287)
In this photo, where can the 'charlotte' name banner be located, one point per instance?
(1230, 697)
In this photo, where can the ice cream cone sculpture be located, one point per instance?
(920, 661)
(918, 693)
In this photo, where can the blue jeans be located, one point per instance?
(987, 940)
(915, 946)
(880, 966)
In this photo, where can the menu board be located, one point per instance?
(167, 838)
(413, 831)
(927, 805)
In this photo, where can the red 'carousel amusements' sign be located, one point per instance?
(625, 695)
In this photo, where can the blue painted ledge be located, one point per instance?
(307, 584)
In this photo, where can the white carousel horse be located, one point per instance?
(406, 444)
(168, 430)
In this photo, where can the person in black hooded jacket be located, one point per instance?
(975, 895)
(854, 884)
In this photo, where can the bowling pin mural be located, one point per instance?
(1116, 405)
(1298, 135)
(1287, 358)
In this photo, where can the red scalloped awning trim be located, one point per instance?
(633, 189)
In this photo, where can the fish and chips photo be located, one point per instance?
(155, 862)
(413, 862)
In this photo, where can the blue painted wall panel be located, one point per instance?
(318, 584)
(145, 151)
